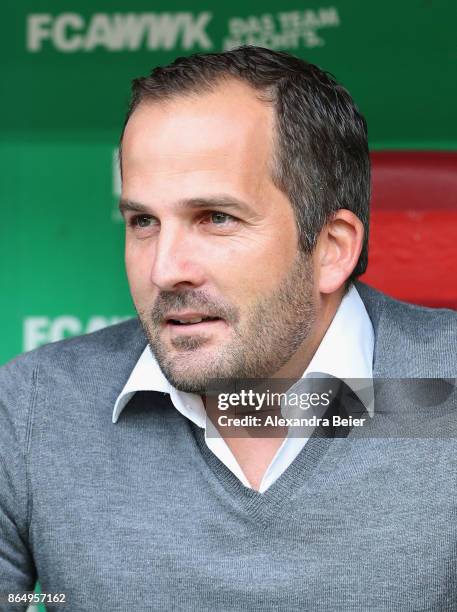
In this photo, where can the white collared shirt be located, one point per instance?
(346, 352)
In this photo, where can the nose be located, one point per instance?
(175, 261)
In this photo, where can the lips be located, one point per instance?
(200, 326)
(190, 319)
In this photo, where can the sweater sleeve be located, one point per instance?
(17, 569)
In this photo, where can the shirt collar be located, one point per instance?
(346, 352)
(347, 348)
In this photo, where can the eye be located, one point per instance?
(141, 221)
(219, 223)
(220, 218)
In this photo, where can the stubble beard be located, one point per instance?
(276, 327)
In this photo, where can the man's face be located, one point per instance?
(209, 235)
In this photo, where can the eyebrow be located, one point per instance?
(219, 201)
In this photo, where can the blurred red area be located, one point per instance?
(413, 228)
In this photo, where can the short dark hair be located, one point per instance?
(321, 151)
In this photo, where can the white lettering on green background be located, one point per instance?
(40, 330)
(70, 32)
(288, 29)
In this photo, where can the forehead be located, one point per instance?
(227, 131)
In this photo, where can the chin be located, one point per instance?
(192, 366)
(187, 383)
(190, 377)
(192, 374)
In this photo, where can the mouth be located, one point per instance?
(192, 322)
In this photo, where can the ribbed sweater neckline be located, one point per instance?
(291, 481)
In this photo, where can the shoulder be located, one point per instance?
(112, 339)
(104, 355)
(424, 337)
(408, 315)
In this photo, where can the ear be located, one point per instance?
(338, 249)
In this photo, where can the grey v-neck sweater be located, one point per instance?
(142, 516)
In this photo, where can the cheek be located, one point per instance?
(250, 271)
(136, 265)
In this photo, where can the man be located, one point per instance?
(245, 190)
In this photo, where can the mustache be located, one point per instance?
(168, 301)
